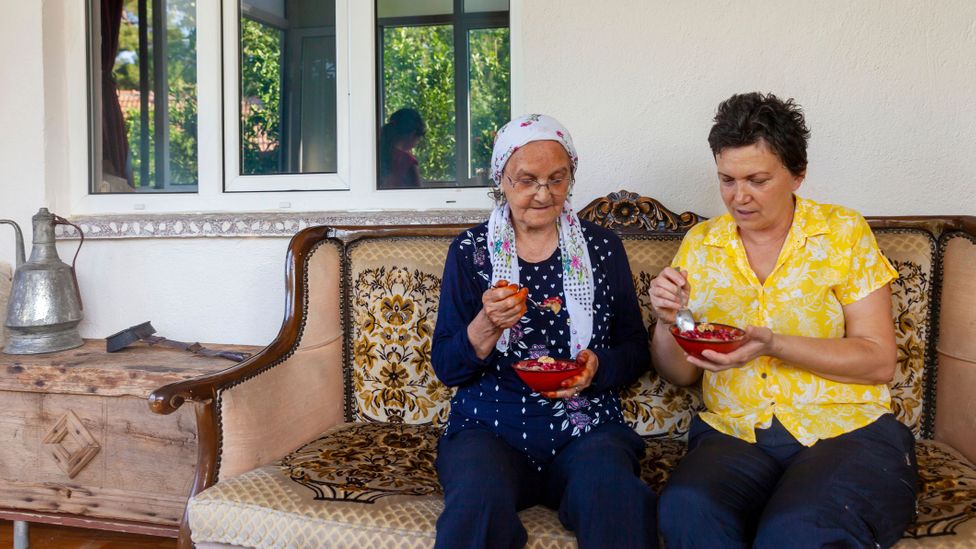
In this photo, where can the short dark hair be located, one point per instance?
(748, 118)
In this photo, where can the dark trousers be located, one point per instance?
(854, 490)
(593, 482)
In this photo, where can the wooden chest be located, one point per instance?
(80, 445)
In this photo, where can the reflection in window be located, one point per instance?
(288, 87)
(450, 67)
(144, 117)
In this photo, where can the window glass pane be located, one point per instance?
(288, 87)
(145, 119)
(445, 89)
(489, 95)
(418, 74)
(399, 8)
(471, 6)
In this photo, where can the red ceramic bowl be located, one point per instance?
(720, 338)
(543, 377)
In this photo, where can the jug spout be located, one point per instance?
(19, 240)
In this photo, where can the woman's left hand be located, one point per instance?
(759, 342)
(575, 385)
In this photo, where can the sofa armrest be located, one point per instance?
(955, 412)
(289, 392)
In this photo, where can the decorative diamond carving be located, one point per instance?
(83, 446)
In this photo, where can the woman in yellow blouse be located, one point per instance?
(798, 446)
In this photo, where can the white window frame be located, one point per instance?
(354, 184)
(235, 181)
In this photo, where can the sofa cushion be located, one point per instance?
(374, 485)
(395, 286)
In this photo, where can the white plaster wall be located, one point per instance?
(888, 86)
(229, 290)
(22, 165)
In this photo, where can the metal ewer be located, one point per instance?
(45, 303)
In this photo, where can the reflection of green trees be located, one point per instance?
(181, 71)
(261, 97)
(489, 99)
(418, 72)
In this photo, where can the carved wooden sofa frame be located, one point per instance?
(301, 385)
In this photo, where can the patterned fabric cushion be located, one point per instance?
(652, 406)
(374, 485)
(395, 286)
(911, 252)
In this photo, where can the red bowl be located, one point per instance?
(727, 338)
(542, 377)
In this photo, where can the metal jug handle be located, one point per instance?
(58, 220)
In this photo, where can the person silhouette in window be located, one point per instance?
(398, 166)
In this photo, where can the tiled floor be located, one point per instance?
(44, 536)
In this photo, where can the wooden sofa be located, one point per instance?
(327, 437)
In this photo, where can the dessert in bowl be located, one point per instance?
(546, 373)
(720, 338)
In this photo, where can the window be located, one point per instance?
(284, 115)
(288, 87)
(229, 106)
(443, 89)
(145, 126)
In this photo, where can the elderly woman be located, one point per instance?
(798, 446)
(507, 448)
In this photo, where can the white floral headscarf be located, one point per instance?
(577, 272)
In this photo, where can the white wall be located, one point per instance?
(888, 87)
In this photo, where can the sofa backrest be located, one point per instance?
(391, 286)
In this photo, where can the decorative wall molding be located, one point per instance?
(277, 224)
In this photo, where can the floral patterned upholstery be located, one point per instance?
(652, 406)
(374, 484)
(911, 252)
(391, 319)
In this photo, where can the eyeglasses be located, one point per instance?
(531, 185)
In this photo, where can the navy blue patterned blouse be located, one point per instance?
(490, 394)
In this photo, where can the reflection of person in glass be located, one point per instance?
(398, 137)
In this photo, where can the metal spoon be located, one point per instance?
(683, 319)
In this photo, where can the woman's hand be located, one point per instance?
(504, 304)
(576, 384)
(759, 342)
(669, 292)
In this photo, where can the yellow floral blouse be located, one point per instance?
(830, 259)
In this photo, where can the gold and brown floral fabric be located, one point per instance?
(394, 286)
(911, 253)
(653, 406)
